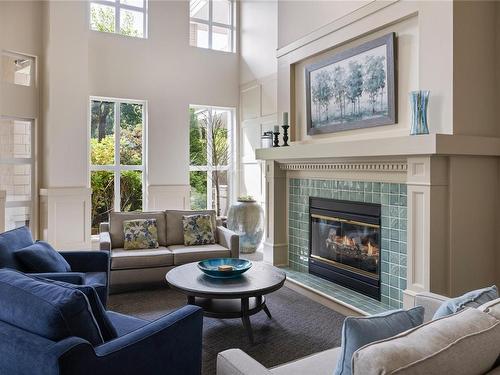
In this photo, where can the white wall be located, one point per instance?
(424, 30)
(76, 63)
(163, 69)
(21, 32)
(258, 88)
(446, 47)
(299, 18)
(170, 75)
(258, 39)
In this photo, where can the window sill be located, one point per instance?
(119, 35)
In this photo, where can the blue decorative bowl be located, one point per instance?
(210, 267)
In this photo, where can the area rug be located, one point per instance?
(299, 327)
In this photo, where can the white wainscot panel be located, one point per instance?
(66, 217)
(250, 139)
(418, 238)
(250, 103)
(252, 180)
(168, 197)
(269, 97)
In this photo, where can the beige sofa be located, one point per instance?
(132, 269)
(467, 343)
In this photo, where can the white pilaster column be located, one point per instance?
(427, 268)
(276, 242)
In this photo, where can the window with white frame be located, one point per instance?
(17, 170)
(117, 165)
(212, 24)
(125, 17)
(210, 151)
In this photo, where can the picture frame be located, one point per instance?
(353, 89)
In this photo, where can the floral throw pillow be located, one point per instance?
(140, 234)
(198, 230)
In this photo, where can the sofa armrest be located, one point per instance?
(87, 261)
(430, 302)
(169, 345)
(237, 362)
(230, 240)
(105, 241)
(76, 278)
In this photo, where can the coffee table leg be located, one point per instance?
(266, 310)
(246, 319)
(191, 300)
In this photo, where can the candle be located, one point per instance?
(285, 118)
(276, 129)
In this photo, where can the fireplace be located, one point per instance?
(344, 243)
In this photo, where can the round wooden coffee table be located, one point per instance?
(239, 297)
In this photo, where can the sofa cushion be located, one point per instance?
(492, 308)
(359, 331)
(46, 309)
(474, 299)
(129, 259)
(9, 242)
(107, 329)
(140, 234)
(462, 343)
(187, 254)
(125, 324)
(198, 230)
(175, 231)
(317, 364)
(116, 220)
(41, 257)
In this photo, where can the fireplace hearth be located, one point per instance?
(344, 244)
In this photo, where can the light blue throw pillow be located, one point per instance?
(472, 299)
(360, 331)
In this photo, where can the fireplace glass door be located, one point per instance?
(347, 244)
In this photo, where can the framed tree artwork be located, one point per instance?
(353, 89)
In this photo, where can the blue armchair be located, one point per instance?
(38, 322)
(87, 267)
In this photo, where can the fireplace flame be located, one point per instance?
(372, 250)
(348, 241)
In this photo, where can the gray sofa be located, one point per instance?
(464, 343)
(131, 269)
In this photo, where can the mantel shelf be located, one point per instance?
(431, 144)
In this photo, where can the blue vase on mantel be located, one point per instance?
(419, 101)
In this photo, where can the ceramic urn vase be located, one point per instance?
(246, 218)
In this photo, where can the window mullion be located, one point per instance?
(210, 20)
(117, 17)
(210, 166)
(117, 158)
(144, 31)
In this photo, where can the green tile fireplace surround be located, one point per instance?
(393, 200)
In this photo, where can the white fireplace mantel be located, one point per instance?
(441, 172)
(430, 144)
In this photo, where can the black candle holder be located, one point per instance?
(276, 139)
(285, 135)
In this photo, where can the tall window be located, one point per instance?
(17, 170)
(125, 17)
(210, 157)
(117, 165)
(212, 24)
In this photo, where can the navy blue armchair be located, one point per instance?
(87, 267)
(38, 325)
